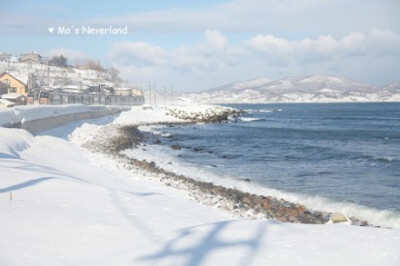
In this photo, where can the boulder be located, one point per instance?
(176, 147)
(338, 217)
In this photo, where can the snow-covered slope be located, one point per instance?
(62, 205)
(55, 77)
(312, 88)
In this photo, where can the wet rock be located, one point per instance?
(176, 147)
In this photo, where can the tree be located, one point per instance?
(91, 64)
(59, 61)
(114, 74)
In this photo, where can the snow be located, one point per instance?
(55, 77)
(139, 116)
(6, 103)
(73, 207)
(178, 113)
(11, 96)
(311, 88)
(20, 114)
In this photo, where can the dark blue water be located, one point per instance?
(346, 152)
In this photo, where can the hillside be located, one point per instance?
(55, 77)
(311, 88)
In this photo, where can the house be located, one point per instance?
(3, 88)
(137, 92)
(14, 84)
(123, 91)
(5, 57)
(32, 58)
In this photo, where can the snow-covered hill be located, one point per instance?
(311, 88)
(56, 77)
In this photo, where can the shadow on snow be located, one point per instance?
(182, 249)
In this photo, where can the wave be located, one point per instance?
(262, 110)
(250, 119)
(266, 111)
(168, 160)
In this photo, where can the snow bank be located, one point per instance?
(72, 207)
(174, 114)
(9, 117)
(13, 141)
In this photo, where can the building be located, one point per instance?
(3, 88)
(31, 58)
(5, 57)
(137, 92)
(13, 84)
(128, 91)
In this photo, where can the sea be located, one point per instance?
(334, 156)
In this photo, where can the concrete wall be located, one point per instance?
(38, 125)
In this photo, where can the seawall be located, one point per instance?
(36, 120)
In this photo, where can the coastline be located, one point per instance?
(74, 206)
(239, 203)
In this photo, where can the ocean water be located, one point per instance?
(347, 153)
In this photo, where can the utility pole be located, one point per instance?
(148, 93)
(164, 94)
(155, 93)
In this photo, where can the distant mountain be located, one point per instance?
(393, 87)
(311, 88)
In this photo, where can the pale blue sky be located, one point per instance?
(196, 45)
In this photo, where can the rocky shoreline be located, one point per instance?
(113, 139)
(239, 203)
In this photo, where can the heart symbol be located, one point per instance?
(51, 29)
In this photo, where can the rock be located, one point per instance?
(157, 141)
(246, 200)
(176, 147)
(338, 217)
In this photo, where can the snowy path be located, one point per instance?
(73, 207)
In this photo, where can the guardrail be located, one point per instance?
(57, 98)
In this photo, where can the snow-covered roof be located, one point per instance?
(6, 102)
(22, 77)
(11, 96)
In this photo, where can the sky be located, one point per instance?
(197, 45)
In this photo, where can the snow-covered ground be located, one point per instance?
(63, 205)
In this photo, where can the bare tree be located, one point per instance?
(59, 61)
(114, 73)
